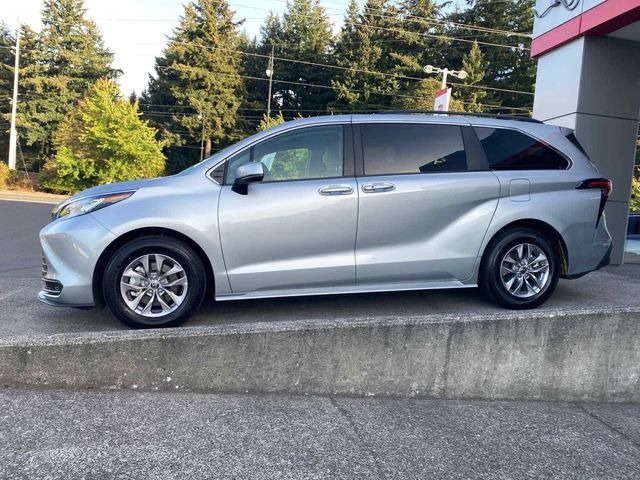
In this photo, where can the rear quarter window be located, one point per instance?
(512, 150)
(573, 139)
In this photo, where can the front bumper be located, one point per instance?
(70, 251)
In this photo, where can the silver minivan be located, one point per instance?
(338, 204)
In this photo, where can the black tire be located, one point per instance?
(193, 269)
(490, 281)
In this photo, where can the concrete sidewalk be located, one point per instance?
(108, 435)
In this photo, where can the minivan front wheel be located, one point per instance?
(154, 282)
(520, 269)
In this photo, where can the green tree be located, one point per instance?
(59, 66)
(306, 35)
(416, 42)
(303, 33)
(252, 67)
(273, 121)
(197, 89)
(474, 64)
(422, 95)
(364, 52)
(103, 140)
(510, 68)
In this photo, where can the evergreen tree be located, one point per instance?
(303, 33)
(198, 83)
(414, 47)
(523, 76)
(474, 64)
(345, 42)
(306, 35)
(253, 66)
(509, 68)
(273, 121)
(65, 60)
(102, 141)
(362, 48)
(422, 95)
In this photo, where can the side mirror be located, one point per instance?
(246, 174)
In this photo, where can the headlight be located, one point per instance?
(87, 204)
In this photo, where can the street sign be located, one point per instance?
(441, 103)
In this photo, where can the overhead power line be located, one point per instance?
(464, 26)
(288, 82)
(451, 39)
(433, 20)
(430, 35)
(338, 67)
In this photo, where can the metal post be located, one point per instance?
(270, 75)
(461, 74)
(443, 86)
(13, 137)
(445, 72)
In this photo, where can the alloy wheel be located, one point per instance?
(153, 285)
(524, 270)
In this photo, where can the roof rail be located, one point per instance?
(466, 114)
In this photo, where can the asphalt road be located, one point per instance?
(22, 314)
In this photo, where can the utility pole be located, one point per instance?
(13, 137)
(201, 117)
(269, 73)
(443, 96)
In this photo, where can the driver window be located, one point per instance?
(306, 153)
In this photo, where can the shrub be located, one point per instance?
(4, 175)
(634, 205)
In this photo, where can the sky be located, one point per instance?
(136, 30)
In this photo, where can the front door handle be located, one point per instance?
(336, 190)
(378, 187)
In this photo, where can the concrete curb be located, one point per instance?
(587, 355)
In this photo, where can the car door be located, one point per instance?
(296, 229)
(425, 203)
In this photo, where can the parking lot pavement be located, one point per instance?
(105, 434)
(22, 314)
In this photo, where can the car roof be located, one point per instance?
(504, 121)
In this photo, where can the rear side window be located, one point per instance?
(391, 149)
(511, 150)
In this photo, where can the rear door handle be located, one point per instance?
(378, 187)
(336, 190)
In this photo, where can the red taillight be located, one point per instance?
(605, 187)
(602, 183)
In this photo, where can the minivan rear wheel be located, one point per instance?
(154, 282)
(520, 269)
